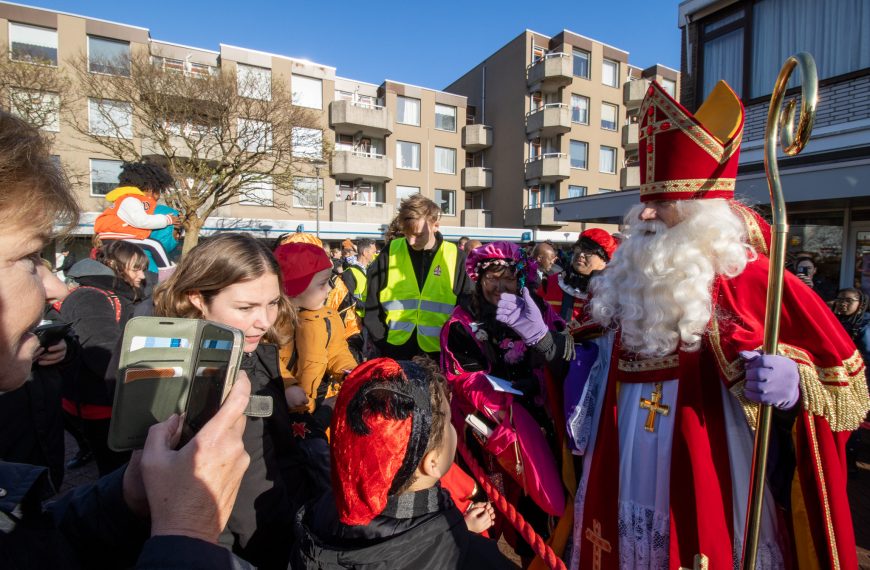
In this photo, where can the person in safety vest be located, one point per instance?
(414, 284)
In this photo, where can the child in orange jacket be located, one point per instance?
(319, 357)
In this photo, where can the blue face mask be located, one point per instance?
(350, 259)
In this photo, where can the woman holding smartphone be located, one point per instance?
(234, 280)
(109, 288)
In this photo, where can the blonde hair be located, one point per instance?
(417, 206)
(214, 265)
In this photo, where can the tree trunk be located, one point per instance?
(192, 225)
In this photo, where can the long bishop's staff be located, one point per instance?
(777, 118)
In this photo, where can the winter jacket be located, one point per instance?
(430, 535)
(90, 527)
(321, 353)
(131, 214)
(375, 316)
(98, 311)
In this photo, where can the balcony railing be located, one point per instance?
(548, 167)
(551, 71)
(548, 120)
(354, 164)
(184, 67)
(354, 116)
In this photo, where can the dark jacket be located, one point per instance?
(90, 527)
(275, 484)
(375, 317)
(98, 325)
(413, 541)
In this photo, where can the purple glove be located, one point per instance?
(771, 379)
(522, 315)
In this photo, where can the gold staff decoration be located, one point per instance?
(777, 118)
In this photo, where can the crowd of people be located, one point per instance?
(435, 404)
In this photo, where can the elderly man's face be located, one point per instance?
(665, 211)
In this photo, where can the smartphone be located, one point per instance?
(479, 426)
(171, 366)
(50, 333)
(214, 373)
(804, 271)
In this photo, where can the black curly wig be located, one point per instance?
(145, 176)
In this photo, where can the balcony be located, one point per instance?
(542, 215)
(476, 178)
(550, 167)
(351, 117)
(353, 165)
(361, 212)
(633, 93)
(551, 72)
(629, 136)
(550, 120)
(476, 137)
(629, 177)
(472, 218)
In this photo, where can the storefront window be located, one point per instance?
(820, 234)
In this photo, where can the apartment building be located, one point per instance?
(826, 186)
(537, 121)
(554, 106)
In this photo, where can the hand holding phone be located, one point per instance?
(50, 333)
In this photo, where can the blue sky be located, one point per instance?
(429, 43)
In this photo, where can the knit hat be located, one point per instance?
(300, 262)
(598, 241)
(380, 432)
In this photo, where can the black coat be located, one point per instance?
(437, 540)
(98, 327)
(90, 527)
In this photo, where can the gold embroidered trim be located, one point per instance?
(753, 231)
(649, 364)
(689, 185)
(827, 511)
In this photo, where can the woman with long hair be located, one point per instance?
(107, 292)
(233, 279)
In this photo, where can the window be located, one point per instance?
(32, 44)
(104, 176)
(581, 63)
(108, 56)
(542, 196)
(605, 190)
(307, 192)
(579, 109)
(608, 116)
(408, 111)
(403, 192)
(445, 118)
(110, 118)
(576, 191)
(255, 136)
(610, 72)
(307, 91)
(670, 87)
(254, 82)
(408, 155)
(447, 200)
(39, 108)
(579, 153)
(607, 160)
(257, 191)
(723, 59)
(445, 160)
(307, 143)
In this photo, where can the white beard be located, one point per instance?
(657, 288)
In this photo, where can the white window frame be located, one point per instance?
(604, 63)
(38, 30)
(615, 116)
(113, 41)
(311, 96)
(304, 150)
(570, 158)
(588, 62)
(584, 190)
(673, 84)
(92, 170)
(318, 190)
(400, 115)
(601, 155)
(452, 170)
(254, 82)
(52, 116)
(572, 107)
(125, 132)
(403, 192)
(399, 155)
(451, 211)
(258, 191)
(449, 107)
(254, 135)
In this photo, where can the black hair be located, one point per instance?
(145, 176)
(364, 243)
(589, 244)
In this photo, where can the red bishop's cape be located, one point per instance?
(834, 400)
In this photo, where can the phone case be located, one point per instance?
(159, 358)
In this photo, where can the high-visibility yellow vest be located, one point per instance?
(407, 307)
(359, 293)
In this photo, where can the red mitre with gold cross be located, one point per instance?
(685, 156)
